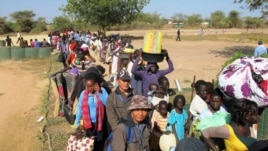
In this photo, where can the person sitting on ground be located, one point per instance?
(152, 74)
(119, 100)
(260, 49)
(237, 134)
(136, 121)
(159, 124)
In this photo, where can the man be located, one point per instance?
(178, 35)
(119, 100)
(260, 49)
(215, 105)
(136, 121)
(9, 41)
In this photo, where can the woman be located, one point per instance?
(80, 64)
(199, 102)
(236, 135)
(91, 109)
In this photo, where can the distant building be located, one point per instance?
(205, 24)
(178, 25)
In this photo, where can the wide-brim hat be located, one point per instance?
(139, 102)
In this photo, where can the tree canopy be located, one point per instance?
(24, 20)
(105, 13)
(254, 4)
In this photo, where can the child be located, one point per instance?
(158, 95)
(159, 124)
(199, 102)
(215, 105)
(178, 117)
(151, 91)
(164, 83)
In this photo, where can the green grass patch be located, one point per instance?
(187, 81)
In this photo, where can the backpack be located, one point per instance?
(130, 136)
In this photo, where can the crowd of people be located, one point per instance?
(24, 43)
(135, 105)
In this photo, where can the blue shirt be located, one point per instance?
(92, 103)
(36, 44)
(179, 120)
(77, 37)
(259, 50)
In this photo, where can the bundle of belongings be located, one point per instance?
(246, 78)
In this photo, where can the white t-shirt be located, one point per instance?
(197, 106)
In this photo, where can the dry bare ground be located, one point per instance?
(21, 88)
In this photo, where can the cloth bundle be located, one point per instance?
(246, 78)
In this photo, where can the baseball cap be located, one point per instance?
(139, 102)
(123, 75)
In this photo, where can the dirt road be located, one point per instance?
(20, 96)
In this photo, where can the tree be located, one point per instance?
(218, 19)
(179, 18)
(194, 20)
(4, 28)
(24, 20)
(39, 25)
(105, 13)
(234, 18)
(62, 23)
(253, 22)
(254, 4)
